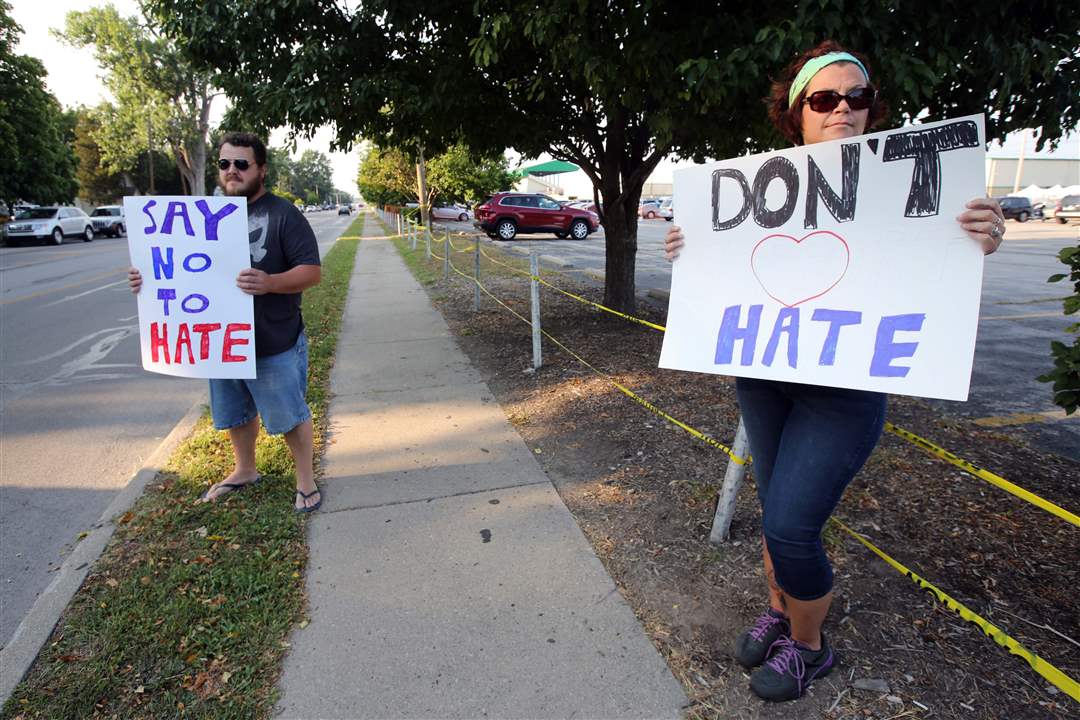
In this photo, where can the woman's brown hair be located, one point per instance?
(788, 119)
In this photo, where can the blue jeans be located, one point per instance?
(277, 394)
(808, 442)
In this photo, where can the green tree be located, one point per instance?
(616, 86)
(97, 183)
(459, 175)
(38, 162)
(161, 100)
(313, 174)
(387, 176)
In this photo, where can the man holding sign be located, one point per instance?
(284, 259)
(843, 276)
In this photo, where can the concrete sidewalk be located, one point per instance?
(447, 579)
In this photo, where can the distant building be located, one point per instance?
(1001, 178)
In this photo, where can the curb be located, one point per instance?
(33, 632)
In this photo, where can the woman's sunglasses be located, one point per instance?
(241, 164)
(824, 101)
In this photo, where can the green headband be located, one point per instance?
(814, 65)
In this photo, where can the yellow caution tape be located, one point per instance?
(1045, 669)
(350, 237)
(621, 388)
(580, 299)
(911, 437)
(624, 316)
(1059, 679)
(982, 474)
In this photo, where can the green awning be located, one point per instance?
(552, 167)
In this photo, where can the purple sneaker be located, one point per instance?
(753, 645)
(790, 669)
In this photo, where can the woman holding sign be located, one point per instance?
(808, 441)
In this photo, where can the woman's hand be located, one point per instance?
(134, 279)
(673, 242)
(983, 221)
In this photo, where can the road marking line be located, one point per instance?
(41, 293)
(79, 295)
(1025, 418)
(1023, 317)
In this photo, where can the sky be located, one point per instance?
(74, 78)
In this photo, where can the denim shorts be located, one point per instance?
(276, 394)
(808, 442)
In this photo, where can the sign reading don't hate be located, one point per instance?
(839, 263)
(193, 320)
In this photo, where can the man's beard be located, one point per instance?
(249, 189)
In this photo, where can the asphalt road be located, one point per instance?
(1021, 314)
(78, 415)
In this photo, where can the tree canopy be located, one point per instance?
(616, 86)
(35, 134)
(387, 176)
(161, 99)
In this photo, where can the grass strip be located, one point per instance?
(188, 610)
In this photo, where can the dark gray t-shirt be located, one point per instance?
(279, 238)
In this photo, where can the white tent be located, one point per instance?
(1034, 192)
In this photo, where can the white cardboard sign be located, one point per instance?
(839, 263)
(193, 320)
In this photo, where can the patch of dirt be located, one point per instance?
(644, 492)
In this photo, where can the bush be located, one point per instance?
(1066, 373)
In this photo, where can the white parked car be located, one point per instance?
(666, 210)
(109, 220)
(49, 223)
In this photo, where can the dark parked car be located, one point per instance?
(344, 210)
(504, 215)
(1016, 208)
(1067, 208)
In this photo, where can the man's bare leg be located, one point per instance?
(243, 439)
(301, 444)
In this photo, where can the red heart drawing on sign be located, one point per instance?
(794, 270)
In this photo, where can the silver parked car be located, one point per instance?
(49, 223)
(108, 220)
(450, 212)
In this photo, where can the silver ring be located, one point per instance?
(995, 232)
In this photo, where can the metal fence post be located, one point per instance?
(733, 480)
(427, 243)
(412, 235)
(446, 255)
(534, 296)
(476, 274)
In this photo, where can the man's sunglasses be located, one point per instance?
(240, 164)
(824, 101)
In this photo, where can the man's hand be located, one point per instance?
(254, 282)
(134, 279)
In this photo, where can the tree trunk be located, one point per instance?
(620, 238)
(183, 166)
(197, 158)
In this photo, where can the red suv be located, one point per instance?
(503, 215)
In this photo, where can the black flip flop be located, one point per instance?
(233, 487)
(312, 508)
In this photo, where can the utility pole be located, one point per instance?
(1020, 161)
(421, 186)
(150, 154)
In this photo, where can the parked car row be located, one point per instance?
(56, 222)
(1021, 209)
(656, 208)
